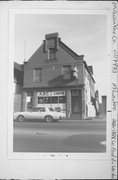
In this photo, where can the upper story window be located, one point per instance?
(51, 53)
(66, 72)
(51, 45)
(37, 75)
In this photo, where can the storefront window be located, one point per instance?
(62, 99)
(42, 109)
(41, 100)
(55, 99)
(51, 99)
(51, 54)
(47, 100)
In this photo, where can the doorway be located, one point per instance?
(76, 100)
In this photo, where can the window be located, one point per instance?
(51, 54)
(66, 72)
(37, 75)
(41, 100)
(62, 99)
(55, 99)
(47, 100)
(52, 100)
(44, 100)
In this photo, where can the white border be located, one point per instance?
(50, 168)
(82, 156)
(114, 91)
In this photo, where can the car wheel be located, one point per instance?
(49, 119)
(21, 118)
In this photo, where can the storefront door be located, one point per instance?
(75, 105)
(76, 102)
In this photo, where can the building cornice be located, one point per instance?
(54, 88)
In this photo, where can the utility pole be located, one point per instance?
(24, 51)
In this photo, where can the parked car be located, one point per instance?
(47, 114)
(58, 109)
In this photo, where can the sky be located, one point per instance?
(83, 33)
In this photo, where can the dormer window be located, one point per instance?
(51, 54)
(51, 45)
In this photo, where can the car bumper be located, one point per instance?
(64, 117)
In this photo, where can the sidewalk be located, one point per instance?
(89, 119)
(96, 118)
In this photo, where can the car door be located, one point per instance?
(42, 112)
(28, 114)
(36, 114)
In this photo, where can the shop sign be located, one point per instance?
(49, 93)
(28, 99)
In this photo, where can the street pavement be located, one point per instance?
(62, 136)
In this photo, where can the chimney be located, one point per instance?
(90, 69)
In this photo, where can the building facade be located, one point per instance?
(18, 86)
(103, 107)
(55, 76)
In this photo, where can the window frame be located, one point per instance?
(62, 99)
(37, 78)
(53, 55)
(67, 74)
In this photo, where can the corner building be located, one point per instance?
(55, 76)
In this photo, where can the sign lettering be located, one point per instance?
(49, 93)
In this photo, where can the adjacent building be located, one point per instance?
(55, 76)
(103, 107)
(18, 86)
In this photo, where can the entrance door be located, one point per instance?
(75, 105)
(76, 102)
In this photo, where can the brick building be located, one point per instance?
(55, 76)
